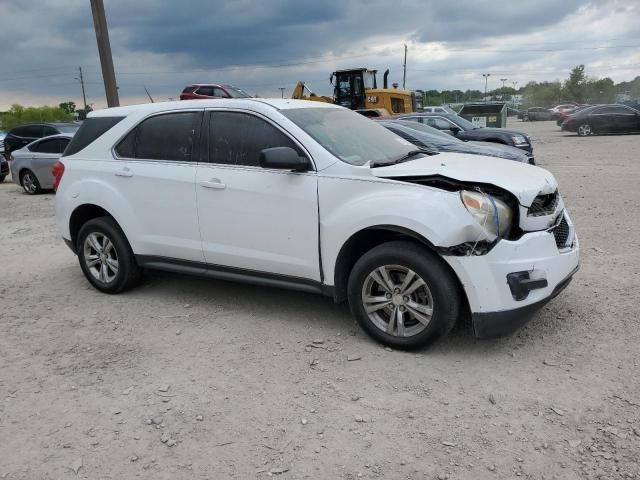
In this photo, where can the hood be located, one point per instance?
(522, 180)
(500, 150)
(498, 130)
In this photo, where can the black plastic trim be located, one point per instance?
(496, 324)
(233, 274)
(70, 244)
(521, 284)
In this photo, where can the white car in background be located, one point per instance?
(318, 198)
(437, 110)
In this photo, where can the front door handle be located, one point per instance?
(123, 172)
(214, 183)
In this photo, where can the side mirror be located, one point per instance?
(455, 130)
(283, 158)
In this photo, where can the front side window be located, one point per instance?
(350, 137)
(46, 131)
(32, 131)
(219, 93)
(237, 138)
(439, 123)
(162, 137)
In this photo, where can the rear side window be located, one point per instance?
(46, 131)
(54, 145)
(32, 131)
(188, 89)
(238, 138)
(90, 130)
(162, 137)
(207, 91)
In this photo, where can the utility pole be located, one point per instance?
(84, 97)
(404, 67)
(104, 50)
(503, 80)
(281, 91)
(486, 80)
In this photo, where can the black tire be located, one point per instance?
(30, 183)
(585, 129)
(2, 177)
(128, 272)
(439, 280)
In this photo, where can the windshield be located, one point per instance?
(67, 128)
(437, 135)
(237, 93)
(352, 138)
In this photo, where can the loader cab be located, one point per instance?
(350, 87)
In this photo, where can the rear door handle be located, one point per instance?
(214, 183)
(123, 172)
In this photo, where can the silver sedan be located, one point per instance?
(31, 165)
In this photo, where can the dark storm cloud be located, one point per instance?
(165, 45)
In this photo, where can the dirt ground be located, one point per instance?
(197, 379)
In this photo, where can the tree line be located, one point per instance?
(578, 87)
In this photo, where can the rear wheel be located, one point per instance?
(106, 257)
(2, 177)
(403, 295)
(30, 182)
(584, 130)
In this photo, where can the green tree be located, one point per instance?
(19, 115)
(601, 90)
(575, 86)
(69, 107)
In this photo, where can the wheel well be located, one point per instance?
(363, 241)
(82, 215)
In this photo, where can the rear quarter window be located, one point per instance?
(90, 130)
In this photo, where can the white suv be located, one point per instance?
(314, 197)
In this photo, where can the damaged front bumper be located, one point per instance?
(507, 285)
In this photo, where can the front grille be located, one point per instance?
(544, 205)
(561, 233)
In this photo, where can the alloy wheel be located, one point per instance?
(584, 130)
(29, 183)
(100, 257)
(397, 300)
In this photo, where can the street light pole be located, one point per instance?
(404, 67)
(281, 91)
(104, 50)
(486, 80)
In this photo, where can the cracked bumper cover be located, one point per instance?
(496, 308)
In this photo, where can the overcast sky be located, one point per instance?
(260, 45)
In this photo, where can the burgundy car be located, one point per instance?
(211, 90)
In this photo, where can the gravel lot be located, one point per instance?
(192, 378)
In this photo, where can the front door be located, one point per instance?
(252, 218)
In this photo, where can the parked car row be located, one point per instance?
(30, 151)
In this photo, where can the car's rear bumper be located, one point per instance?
(513, 280)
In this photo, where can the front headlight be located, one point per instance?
(493, 214)
(519, 140)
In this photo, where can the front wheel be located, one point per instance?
(584, 130)
(106, 257)
(403, 295)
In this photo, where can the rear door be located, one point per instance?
(154, 169)
(252, 218)
(625, 119)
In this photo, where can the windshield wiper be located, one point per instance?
(414, 153)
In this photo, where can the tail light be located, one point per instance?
(58, 171)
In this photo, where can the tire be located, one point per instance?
(2, 177)
(584, 130)
(439, 293)
(97, 262)
(29, 182)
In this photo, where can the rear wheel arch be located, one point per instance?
(81, 215)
